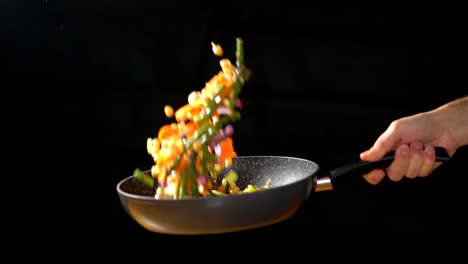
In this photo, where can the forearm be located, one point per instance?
(454, 117)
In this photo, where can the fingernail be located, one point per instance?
(371, 180)
(429, 152)
(376, 178)
(404, 150)
(417, 146)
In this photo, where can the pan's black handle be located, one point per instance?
(363, 167)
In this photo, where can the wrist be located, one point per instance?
(453, 117)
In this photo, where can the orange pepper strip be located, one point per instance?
(167, 131)
(228, 85)
(189, 128)
(217, 81)
(183, 163)
(227, 149)
(166, 154)
(188, 112)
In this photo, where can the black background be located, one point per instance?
(90, 80)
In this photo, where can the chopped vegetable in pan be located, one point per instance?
(190, 153)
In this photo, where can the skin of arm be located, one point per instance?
(414, 137)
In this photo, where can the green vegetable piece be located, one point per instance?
(183, 185)
(192, 174)
(239, 51)
(237, 88)
(202, 131)
(212, 105)
(231, 177)
(250, 188)
(216, 192)
(225, 185)
(148, 180)
(207, 156)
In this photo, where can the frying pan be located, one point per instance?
(292, 181)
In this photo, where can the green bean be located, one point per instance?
(212, 105)
(192, 174)
(183, 185)
(239, 52)
(202, 131)
(207, 156)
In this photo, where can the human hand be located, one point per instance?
(413, 139)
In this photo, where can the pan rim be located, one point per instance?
(209, 198)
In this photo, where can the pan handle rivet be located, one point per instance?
(323, 184)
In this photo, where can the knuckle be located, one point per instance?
(395, 125)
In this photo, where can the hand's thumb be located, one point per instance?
(382, 146)
(372, 154)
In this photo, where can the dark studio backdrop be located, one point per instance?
(90, 82)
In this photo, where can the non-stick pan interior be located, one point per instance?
(257, 170)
